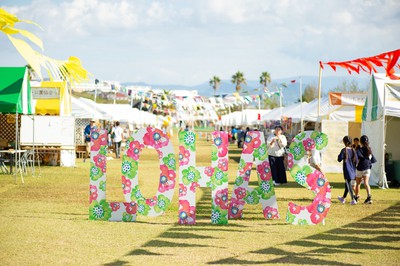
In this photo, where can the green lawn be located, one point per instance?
(46, 222)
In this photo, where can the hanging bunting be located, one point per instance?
(368, 64)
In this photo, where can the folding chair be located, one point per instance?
(3, 167)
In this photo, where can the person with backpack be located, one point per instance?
(366, 159)
(349, 157)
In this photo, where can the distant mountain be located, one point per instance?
(291, 93)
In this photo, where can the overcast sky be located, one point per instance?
(187, 42)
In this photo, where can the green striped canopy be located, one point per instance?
(15, 91)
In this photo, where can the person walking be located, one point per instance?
(366, 159)
(349, 157)
(86, 133)
(118, 136)
(276, 144)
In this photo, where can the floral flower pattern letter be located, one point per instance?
(134, 203)
(99, 208)
(191, 177)
(157, 139)
(254, 146)
(308, 177)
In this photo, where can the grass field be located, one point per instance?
(46, 222)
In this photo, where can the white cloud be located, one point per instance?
(185, 42)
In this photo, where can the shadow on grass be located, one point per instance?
(358, 237)
(355, 245)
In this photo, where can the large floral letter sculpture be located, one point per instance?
(191, 177)
(254, 146)
(99, 208)
(302, 145)
(157, 139)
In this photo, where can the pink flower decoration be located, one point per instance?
(155, 138)
(290, 161)
(295, 209)
(114, 206)
(193, 186)
(92, 193)
(251, 142)
(160, 154)
(318, 183)
(98, 140)
(126, 185)
(167, 179)
(319, 208)
(184, 156)
(130, 207)
(270, 213)
(187, 213)
(223, 164)
(151, 202)
(309, 144)
(220, 139)
(235, 209)
(240, 192)
(246, 171)
(182, 190)
(100, 161)
(264, 171)
(135, 147)
(221, 198)
(209, 171)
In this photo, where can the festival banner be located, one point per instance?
(343, 98)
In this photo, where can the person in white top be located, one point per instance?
(117, 130)
(276, 144)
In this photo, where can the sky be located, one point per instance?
(187, 42)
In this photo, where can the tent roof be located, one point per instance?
(82, 110)
(15, 90)
(383, 98)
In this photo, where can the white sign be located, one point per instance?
(46, 93)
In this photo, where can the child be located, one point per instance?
(349, 157)
(366, 158)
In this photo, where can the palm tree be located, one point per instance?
(265, 78)
(238, 79)
(215, 81)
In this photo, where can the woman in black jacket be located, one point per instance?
(365, 161)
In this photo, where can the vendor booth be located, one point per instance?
(52, 129)
(15, 99)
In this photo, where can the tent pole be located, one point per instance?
(16, 144)
(301, 107)
(319, 90)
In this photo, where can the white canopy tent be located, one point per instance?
(295, 111)
(381, 122)
(120, 112)
(82, 110)
(274, 114)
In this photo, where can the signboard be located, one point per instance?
(343, 98)
(45, 93)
